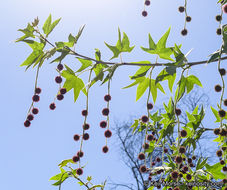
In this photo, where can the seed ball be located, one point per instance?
(144, 13)
(219, 153)
(224, 180)
(105, 149)
(165, 150)
(170, 188)
(184, 159)
(225, 102)
(58, 79)
(149, 178)
(153, 163)
(176, 188)
(35, 111)
(38, 90)
(223, 132)
(188, 177)
(84, 113)
(218, 18)
(189, 160)
(159, 171)
(181, 9)
(27, 123)
(217, 88)
(144, 119)
(158, 159)
(76, 137)
(80, 154)
(63, 90)
(224, 168)
(184, 32)
(223, 148)
(105, 111)
(86, 126)
(178, 159)
(153, 133)
(224, 8)
(191, 165)
(183, 133)
(52, 106)
(159, 186)
(150, 137)
(222, 162)
(180, 175)
(218, 31)
(221, 113)
(86, 136)
(216, 131)
(141, 156)
(182, 150)
(35, 98)
(143, 169)
(174, 175)
(108, 133)
(146, 146)
(60, 67)
(60, 97)
(76, 158)
(30, 117)
(178, 111)
(147, 2)
(188, 19)
(103, 124)
(222, 71)
(193, 157)
(79, 171)
(150, 106)
(107, 98)
(185, 168)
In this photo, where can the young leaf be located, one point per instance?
(85, 63)
(138, 80)
(46, 26)
(215, 112)
(142, 87)
(142, 71)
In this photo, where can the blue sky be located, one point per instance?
(30, 155)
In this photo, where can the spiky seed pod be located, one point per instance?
(182, 150)
(144, 119)
(27, 123)
(107, 98)
(222, 71)
(183, 133)
(60, 67)
(141, 156)
(76, 137)
(79, 171)
(80, 154)
(188, 177)
(86, 126)
(35, 98)
(174, 175)
(60, 97)
(108, 133)
(35, 111)
(150, 137)
(225, 102)
(178, 159)
(143, 169)
(38, 90)
(193, 157)
(105, 111)
(184, 32)
(105, 149)
(188, 19)
(63, 91)
(219, 153)
(218, 18)
(76, 158)
(178, 111)
(181, 9)
(150, 106)
(52, 106)
(58, 79)
(144, 13)
(30, 117)
(217, 88)
(221, 113)
(216, 131)
(86, 136)
(84, 113)
(103, 124)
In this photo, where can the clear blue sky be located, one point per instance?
(29, 156)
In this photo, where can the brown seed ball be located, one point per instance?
(218, 31)
(176, 188)
(105, 111)
(191, 165)
(107, 98)
(86, 126)
(222, 162)
(189, 160)
(84, 113)
(141, 156)
(146, 146)
(150, 137)
(225, 102)
(224, 8)
(149, 178)
(183, 133)
(103, 124)
(63, 91)
(38, 90)
(144, 13)
(105, 149)
(144, 119)
(178, 111)
(76, 137)
(178, 159)
(222, 71)
(223, 148)
(52, 106)
(181, 9)
(153, 163)
(147, 2)
(150, 106)
(60, 67)
(188, 177)
(216, 131)
(224, 168)
(174, 175)
(218, 18)
(219, 153)
(193, 157)
(58, 79)
(217, 88)
(188, 19)
(79, 171)
(185, 168)
(143, 169)
(27, 123)
(75, 158)
(158, 159)
(182, 150)
(221, 113)
(165, 150)
(108, 133)
(224, 181)
(30, 117)
(184, 32)
(35, 98)
(60, 97)
(86, 136)
(80, 154)
(35, 111)
(223, 132)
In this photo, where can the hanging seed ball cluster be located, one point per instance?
(182, 9)
(34, 110)
(146, 3)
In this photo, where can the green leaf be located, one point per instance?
(162, 42)
(31, 58)
(111, 70)
(89, 178)
(142, 71)
(215, 170)
(152, 45)
(48, 27)
(142, 87)
(79, 33)
(53, 25)
(215, 56)
(138, 80)
(114, 49)
(65, 162)
(181, 86)
(191, 81)
(215, 112)
(28, 31)
(61, 57)
(85, 63)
